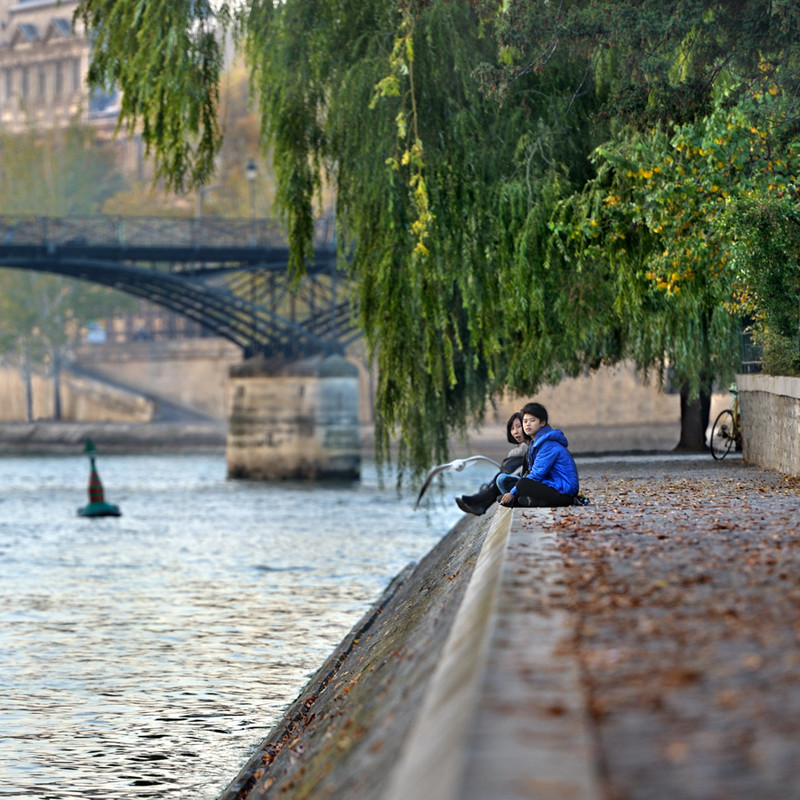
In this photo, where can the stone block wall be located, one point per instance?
(770, 412)
(82, 400)
(191, 373)
(86, 400)
(293, 420)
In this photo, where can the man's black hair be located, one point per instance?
(535, 410)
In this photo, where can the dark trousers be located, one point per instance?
(532, 494)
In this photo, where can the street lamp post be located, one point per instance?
(252, 173)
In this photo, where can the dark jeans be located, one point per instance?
(532, 494)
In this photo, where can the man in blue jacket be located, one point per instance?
(552, 477)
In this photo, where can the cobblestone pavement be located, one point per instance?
(684, 579)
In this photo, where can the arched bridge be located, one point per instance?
(229, 275)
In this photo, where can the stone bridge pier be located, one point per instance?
(293, 420)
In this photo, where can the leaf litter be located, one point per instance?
(684, 581)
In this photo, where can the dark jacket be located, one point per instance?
(551, 463)
(514, 461)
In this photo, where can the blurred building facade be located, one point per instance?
(43, 67)
(44, 61)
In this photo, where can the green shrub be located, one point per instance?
(780, 355)
(767, 256)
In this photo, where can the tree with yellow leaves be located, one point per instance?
(665, 215)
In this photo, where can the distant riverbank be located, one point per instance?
(58, 437)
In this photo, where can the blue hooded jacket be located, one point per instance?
(551, 463)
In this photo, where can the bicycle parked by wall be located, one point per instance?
(727, 431)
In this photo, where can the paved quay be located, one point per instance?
(684, 587)
(646, 646)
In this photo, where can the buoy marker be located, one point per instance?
(97, 506)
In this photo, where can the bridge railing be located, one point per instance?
(151, 231)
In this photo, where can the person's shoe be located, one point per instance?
(467, 508)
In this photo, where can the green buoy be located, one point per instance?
(97, 505)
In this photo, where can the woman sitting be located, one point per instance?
(552, 477)
(512, 464)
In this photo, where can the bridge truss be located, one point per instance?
(228, 275)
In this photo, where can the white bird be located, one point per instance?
(457, 465)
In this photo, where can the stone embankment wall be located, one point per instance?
(447, 687)
(127, 382)
(111, 437)
(770, 412)
(83, 399)
(610, 410)
(193, 374)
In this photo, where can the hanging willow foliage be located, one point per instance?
(468, 222)
(442, 194)
(166, 57)
(431, 180)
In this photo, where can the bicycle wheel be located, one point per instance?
(722, 439)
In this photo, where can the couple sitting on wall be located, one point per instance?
(538, 472)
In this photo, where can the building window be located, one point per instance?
(76, 74)
(58, 87)
(42, 81)
(9, 84)
(24, 87)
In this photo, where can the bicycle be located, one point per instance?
(727, 429)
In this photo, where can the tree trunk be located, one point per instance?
(28, 381)
(56, 389)
(694, 422)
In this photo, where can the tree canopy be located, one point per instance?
(660, 61)
(58, 173)
(523, 190)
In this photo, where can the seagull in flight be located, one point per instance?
(457, 465)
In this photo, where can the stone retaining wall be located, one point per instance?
(83, 399)
(191, 373)
(770, 410)
(460, 683)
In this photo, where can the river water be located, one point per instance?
(146, 656)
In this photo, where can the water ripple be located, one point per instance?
(147, 655)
